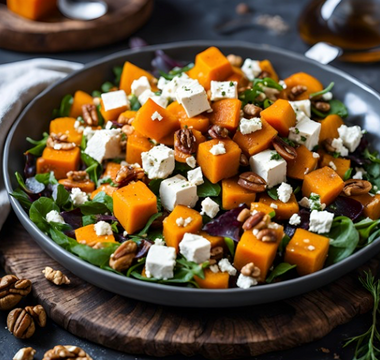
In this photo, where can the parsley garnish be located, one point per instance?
(275, 156)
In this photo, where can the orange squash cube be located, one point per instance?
(325, 182)
(214, 166)
(65, 125)
(280, 115)
(304, 163)
(86, 186)
(32, 9)
(308, 251)
(133, 205)
(111, 170)
(284, 211)
(267, 66)
(313, 85)
(80, 98)
(262, 254)
(128, 114)
(155, 129)
(233, 194)
(87, 235)
(238, 76)
(58, 161)
(342, 165)
(212, 280)
(257, 141)
(329, 127)
(173, 233)
(371, 205)
(210, 64)
(131, 73)
(260, 206)
(136, 145)
(107, 188)
(111, 114)
(226, 113)
(214, 240)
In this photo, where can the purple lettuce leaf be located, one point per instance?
(163, 62)
(143, 249)
(305, 219)
(73, 218)
(137, 42)
(30, 165)
(346, 206)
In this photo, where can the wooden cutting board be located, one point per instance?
(142, 328)
(57, 33)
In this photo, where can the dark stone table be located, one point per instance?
(177, 20)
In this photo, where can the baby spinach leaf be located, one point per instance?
(371, 156)
(107, 86)
(94, 169)
(62, 197)
(46, 178)
(140, 263)
(134, 103)
(65, 107)
(100, 116)
(105, 199)
(208, 189)
(154, 185)
(39, 145)
(22, 197)
(38, 211)
(149, 223)
(347, 174)
(283, 244)
(368, 230)
(100, 204)
(117, 71)
(336, 107)
(279, 270)
(96, 93)
(88, 220)
(268, 82)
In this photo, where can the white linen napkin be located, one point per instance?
(20, 82)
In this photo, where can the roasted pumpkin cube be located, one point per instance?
(136, 145)
(257, 141)
(371, 205)
(218, 167)
(340, 165)
(111, 170)
(133, 205)
(131, 73)
(214, 240)
(260, 206)
(87, 235)
(233, 194)
(312, 84)
(66, 125)
(173, 233)
(307, 250)
(210, 64)
(238, 76)
(113, 113)
(262, 254)
(267, 66)
(329, 127)
(304, 163)
(32, 9)
(325, 182)
(212, 280)
(58, 161)
(80, 98)
(280, 115)
(226, 113)
(284, 211)
(107, 188)
(87, 186)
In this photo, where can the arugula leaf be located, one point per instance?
(107, 86)
(149, 223)
(347, 174)
(94, 169)
(139, 264)
(22, 197)
(38, 211)
(46, 178)
(230, 245)
(279, 270)
(272, 192)
(371, 156)
(39, 145)
(65, 107)
(208, 189)
(268, 82)
(117, 71)
(177, 71)
(322, 92)
(134, 103)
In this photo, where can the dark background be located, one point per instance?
(178, 20)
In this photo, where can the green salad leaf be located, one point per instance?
(117, 71)
(177, 71)
(336, 108)
(39, 145)
(230, 245)
(62, 198)
(208, 189)
(107, 86)
(65, 107)
(279, 270)
(149, 223)
(38, 211)
(46, 178)
(94, 169)
(134, 103)
(322, 92)
(22, 197)
(100, 204)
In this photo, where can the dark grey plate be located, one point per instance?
(364, 107)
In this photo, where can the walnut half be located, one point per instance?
(25, 354)
(56, 276)
(20, 324)
(12, 290)
(66, 352)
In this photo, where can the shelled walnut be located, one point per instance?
(20, 323)
(25, 354)
(38, 314)
(12, 290)
(122, 258)
(66, 352)
(56, 276)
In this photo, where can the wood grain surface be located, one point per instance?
(142, 328)
(57, 33)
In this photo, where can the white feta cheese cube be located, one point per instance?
(160, 262)
(162, 82)
(251, 68)
(158, 162)
(351, 136)
(114, 100)
(191, 161)
(303, 106)
(320, 221)
(54, 216)
(271, 170)
(223, 90)
(104, 144)
(170, 89)
(195, 176)
(177, 191)
(156, 116)
(195, 248)
(295, 220)
(78, 197)
(209, 207)
(249, 126)
(284, 192)
(193, 98)
(337, 144)
(245, 282)
(225, 266)
(218, 149)
(306, 133)
(149, 94)
(359, 173)
(140, 85)
(102, 228)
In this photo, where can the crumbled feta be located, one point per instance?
(156, 116)
(195, 248)
(209, 207)
(271, 170)
(158, 162)
(149, 94)
(251, 68)
(108, 125)
(245, 282)
(302, 108)
(88, 132)
(193, 98)
(191, 161)
(114, 100)
(306, 132)
(54, 216)
(218, 149)
(327, 96)
(78, 197)
(273, 206)
(332, 165)
(337, 144)
(159, 242)
(125, 233)
(177, 191)
(350, 136)
(160, 262)
(249, 126)
(223, 90)
(78, 126)
(311, 247)
(316, 155)
(162, 82)
(195, 176)
(225, 266)
(320, 221)
(359, 173)
(102, 228)
(313, 203)
(181, 222)
(214, 268)
(170, 88)
(104, 144)
(140, 85)
(284, 192)
(295, 220)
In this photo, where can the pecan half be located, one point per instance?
(66, 352)
(285, 150)
(12, 290)
(128, 173)
(122, 258)
(90, 116)
(251, 181)
(216, 253)
(251, 270)
(253, 220)
(57, 277)
(78, 175)
(20, 324)
(38, 314)
(322, 106)
(267, 235)
(59, 142)
(296, 91)
(264, 223)
(354, 187)
(218, 132)
(25, 354)
(235, 60)
(243, 160)
(251, 111)
(327, 144)
(185, 141)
